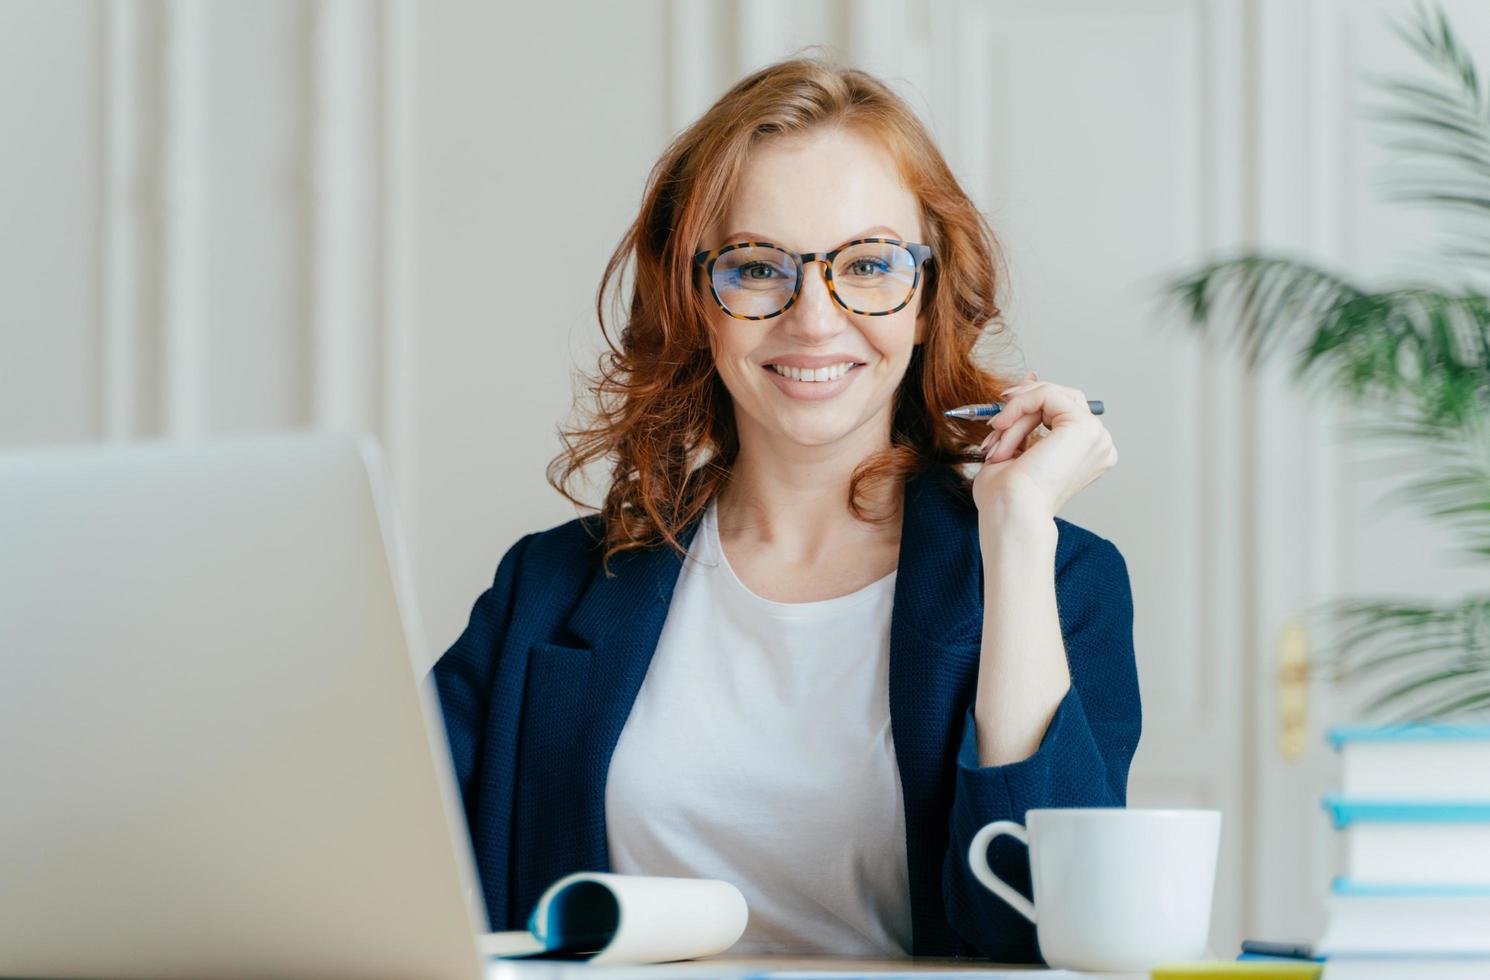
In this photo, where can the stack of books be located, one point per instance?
(1414, 811)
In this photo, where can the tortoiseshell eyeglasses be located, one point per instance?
(759, 280)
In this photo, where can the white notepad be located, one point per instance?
(612, 918)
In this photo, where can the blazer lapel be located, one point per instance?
(618, 621)
(935, 641)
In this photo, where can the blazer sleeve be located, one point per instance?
(1082, 759)
(463, 674)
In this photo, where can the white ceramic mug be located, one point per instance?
(1114, 888)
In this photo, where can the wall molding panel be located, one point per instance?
(185, 184)
(171, 292)
(346, 216)
(130, 230)
(163, 172)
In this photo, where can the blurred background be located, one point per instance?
(392, 216)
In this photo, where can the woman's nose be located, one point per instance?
(815, 309)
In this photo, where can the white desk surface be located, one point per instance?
(783, 968)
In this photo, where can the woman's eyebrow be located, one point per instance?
(752, 236)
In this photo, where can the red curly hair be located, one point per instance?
(663, 414)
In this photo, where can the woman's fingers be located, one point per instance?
(1027, 407)
(993, 420)
(1010, 436)
(1010, 439)
(1049, 401)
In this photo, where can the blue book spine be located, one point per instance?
(1343, 885)
(1348, 811)
(1405, 733)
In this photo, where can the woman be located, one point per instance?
(797, 650)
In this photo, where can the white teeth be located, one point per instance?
(820, 374)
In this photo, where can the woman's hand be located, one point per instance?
(1041, 470)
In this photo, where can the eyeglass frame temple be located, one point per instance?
(920, 254)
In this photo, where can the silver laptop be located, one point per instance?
(219, 754)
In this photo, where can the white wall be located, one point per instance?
(49, 106)
(537, 125)
(394, 215)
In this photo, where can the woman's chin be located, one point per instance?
(812, 433)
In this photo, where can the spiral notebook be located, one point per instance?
(602, 917)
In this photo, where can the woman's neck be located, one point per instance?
(793, 501)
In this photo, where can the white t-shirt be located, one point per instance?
(759, 752)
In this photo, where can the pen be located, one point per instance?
(1274, 949)
(984, 411)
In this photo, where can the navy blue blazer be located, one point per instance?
(539, 684)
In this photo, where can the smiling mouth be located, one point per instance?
(809, 377)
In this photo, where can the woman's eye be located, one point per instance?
(749, 271)
(867, 267)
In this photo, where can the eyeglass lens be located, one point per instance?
(871, 277)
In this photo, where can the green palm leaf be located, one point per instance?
(1444, 119)
(1411, 657)
(1456, 488)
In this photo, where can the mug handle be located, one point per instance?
(977, 857)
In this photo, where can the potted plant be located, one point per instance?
(1419, 351)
